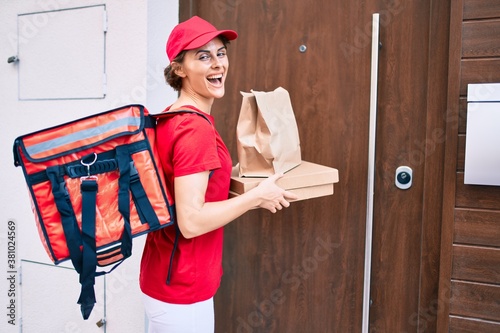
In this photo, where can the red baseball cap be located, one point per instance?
(192, 34)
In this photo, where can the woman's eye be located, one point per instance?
(221, 54)
(204, 57)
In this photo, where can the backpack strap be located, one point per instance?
(87, 299)
(172, 254)
(176, 242)
(83, 261)
(68, 219)
(144, 208)
(169, 114)
(123, 158)
(156, 117)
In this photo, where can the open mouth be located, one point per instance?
(215, 79)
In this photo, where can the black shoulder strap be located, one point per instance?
(156, 117)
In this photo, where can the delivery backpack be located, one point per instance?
(95, 183)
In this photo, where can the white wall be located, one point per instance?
(135, 58)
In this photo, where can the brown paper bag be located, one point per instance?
(267, 134)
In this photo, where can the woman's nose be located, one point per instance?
(216, 62)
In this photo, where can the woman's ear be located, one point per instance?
(178, 69)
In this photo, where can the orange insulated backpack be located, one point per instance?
(94, 184)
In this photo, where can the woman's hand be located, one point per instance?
(271, 196)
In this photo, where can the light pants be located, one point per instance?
(179, 318)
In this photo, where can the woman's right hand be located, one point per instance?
(271, 196)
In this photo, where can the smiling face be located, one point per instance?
(204, 70)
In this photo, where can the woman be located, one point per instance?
(181, 269)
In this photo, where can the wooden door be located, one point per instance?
(411, 132)
(302, 269)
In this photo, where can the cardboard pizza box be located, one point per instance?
(307, 180)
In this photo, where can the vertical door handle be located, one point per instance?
(371, 172)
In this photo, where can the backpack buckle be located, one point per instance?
(88, 165)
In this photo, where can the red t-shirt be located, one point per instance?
(187, 144)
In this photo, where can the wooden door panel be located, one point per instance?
(301, 270)
(479, 227)
(480, 39)
(473, 263)
(480, 9)
(291, 271)
(467, 325)
(474, 300)
(461, 153)
(462, 116)
(474, 196)
(483, 70)
(410, 132)
(470, 214)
